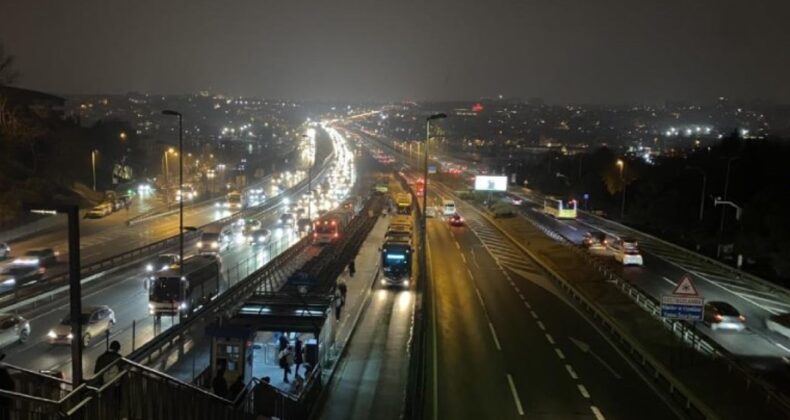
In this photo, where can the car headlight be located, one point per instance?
(51, 334)
(10, 281)
(70, 336)
(183, 306)
(149, 267)
(151, 306)
(214, 245)
(406, 283)
(200, 244)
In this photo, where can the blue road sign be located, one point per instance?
(431, 169)
(682, 307)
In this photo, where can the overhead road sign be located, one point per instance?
(490, 183)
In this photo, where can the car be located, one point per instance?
(723, 316)
(5, 251)
(779, 324)
(99, 211)
(456, 220)
(626, 251)
(251, 225)
(516, 200)
(287, 219)
(594, 240)
(161, 262)
(38, 257)
(13, 329)
(95, 320)
(21, 275)
(260, 237)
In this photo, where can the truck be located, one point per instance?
(403, 202)
(331, 225)
(174, 292)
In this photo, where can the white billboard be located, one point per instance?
(490, 183)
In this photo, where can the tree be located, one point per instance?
(8, 73)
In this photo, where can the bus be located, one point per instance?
(330, 226)
(172, 293)
(403, 201)
(234, 200)
(396, 258)
(559, 209)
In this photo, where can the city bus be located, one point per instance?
(235, 200)
(173, 293)
(396, 258)
(560, 209)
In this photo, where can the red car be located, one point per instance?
(456, 220)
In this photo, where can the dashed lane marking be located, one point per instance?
(559, 353)
(541, 326)
(597, 413)
(571, 372)
(519, 408)
(583, 391)
(493, 333)
(550, 338)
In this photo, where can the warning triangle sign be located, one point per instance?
(685, 287)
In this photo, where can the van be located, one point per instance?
(448, 207)
(215, 240)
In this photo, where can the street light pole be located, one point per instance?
(425, 175)
(309, 190)
(93, 164)
(621, 165)
(702, 194)
(180, 189)
(724, 208)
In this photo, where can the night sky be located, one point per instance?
(582, 51)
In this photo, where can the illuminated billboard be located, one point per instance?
(490, 183)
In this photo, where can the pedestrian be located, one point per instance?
(352, 268)
(338, 304)
(108, 358)
(298, 356)
(268, 398)
(343, 288)
(283, 341)
(220, 384)
(6, 384)
(283, 358)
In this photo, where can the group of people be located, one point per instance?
(290, 356)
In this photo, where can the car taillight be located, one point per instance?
(742, 318)
(718, 317)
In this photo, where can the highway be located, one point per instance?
(762, 350)
(124, 292)
(504, 335)
(759, 347)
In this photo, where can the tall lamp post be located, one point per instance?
(428, 120)
(309, 189)
(621, 165)
(93, 165)
(180, 188)
(724, 198)
(702, 194)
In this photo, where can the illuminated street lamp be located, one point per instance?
(93, 164)
(180, 187)
(621, 165)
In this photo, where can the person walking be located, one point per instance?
(352, 268)
(286, 360)
(106, 359)
(220, 384)
(283, 340)
(338, 304)
(343, 288)
(298, 356)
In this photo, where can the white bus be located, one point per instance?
(560, 209)
(448, 207)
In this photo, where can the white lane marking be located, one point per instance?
(583, 391)
(480, 298)
(457, 245)
(534, 315)
(463, 258)
(527, 305)
(571, 226)
(782, 347)
(541, 326)
(519, 408)
(559, 353)
(521, 295)
(597, 412)
(493, 333)
(571, 372)
(550, 338)
(468, 271)
(669, 281)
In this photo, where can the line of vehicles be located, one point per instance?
(112, 202)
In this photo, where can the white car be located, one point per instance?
(5, 250)
(13, 329)
(96, 321)
(626, 251)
